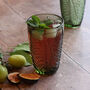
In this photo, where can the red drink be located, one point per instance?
(46, 49)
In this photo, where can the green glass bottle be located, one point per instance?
(72, 12)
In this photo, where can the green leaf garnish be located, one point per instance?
(26, 55)
(32, 24)
(35, 22)
(35, 19)
(43, 25)
(22, 46)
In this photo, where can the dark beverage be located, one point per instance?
(46, 48)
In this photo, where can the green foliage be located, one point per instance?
(25, 54)
(23, 49)
(22, 46)
(1, 55)
(35, 22)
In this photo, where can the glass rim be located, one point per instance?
(62, 21)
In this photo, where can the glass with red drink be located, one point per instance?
(45, 33)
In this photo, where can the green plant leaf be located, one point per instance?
(1, 55)
(0, 62)
(35, 19)
(43, 25)
(31, 23)
(37, 24)
(26, 55)
(22, 46)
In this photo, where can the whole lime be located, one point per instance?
(17, 61)
(3, 73)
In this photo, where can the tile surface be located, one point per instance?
(74, 70)
(77, 46)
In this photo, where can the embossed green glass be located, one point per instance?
(72, 12)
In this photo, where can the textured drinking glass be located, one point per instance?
(72, 12)
(46, 46)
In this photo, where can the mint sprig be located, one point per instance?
(32, 24)
(35, 22)
(43, 26)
